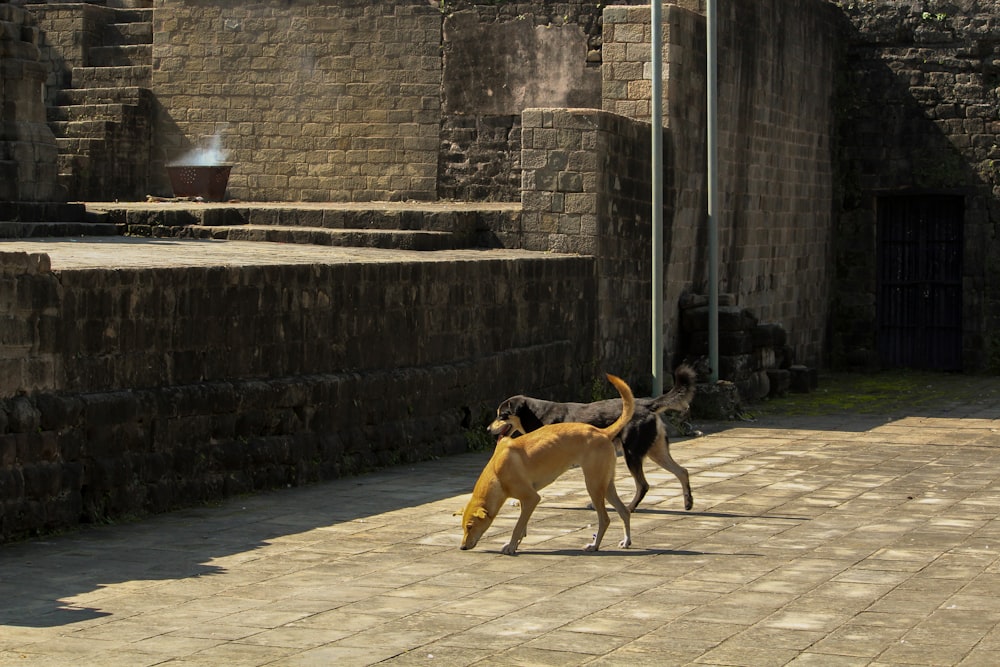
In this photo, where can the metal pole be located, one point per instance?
(713, 189)
(656, 127)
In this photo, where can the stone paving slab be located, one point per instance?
(835, 540)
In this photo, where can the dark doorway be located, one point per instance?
(919, 291)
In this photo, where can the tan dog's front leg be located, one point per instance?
(603, 520)
(528, 504)
(623, 512)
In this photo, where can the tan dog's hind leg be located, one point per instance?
(603, 520)
(528, 505)
(601, 486)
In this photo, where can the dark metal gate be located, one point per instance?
(919, 297)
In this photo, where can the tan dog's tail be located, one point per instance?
(628, 407)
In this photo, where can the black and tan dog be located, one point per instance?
(644, 436)
(520, 467)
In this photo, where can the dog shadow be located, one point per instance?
(689, 513)
(716, 515)
(630, 552)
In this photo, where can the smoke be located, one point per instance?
(209, 156)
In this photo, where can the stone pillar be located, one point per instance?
(28, 151)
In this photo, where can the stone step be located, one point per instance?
(139, 7)
(465, 222)
(78, 146)
(84, 112)
(9, 177)
(110, 77)
(14, 211)
(396, 239)
(67, 181)
(25, 230)
(126, 8)
(81, 129)
(444, 221)
(135, 32)
(122, 95)
(226, 223)
(426, 228)
(130, 55)
(71, 163)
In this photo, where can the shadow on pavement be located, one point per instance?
(59, 580)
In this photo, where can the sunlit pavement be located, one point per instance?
(838, 540)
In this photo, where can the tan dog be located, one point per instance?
(520, 467)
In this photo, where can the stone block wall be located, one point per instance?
(920, 114)
(28, 151)
(69, 458)
(322, 101)
(134, 391)
(499, 59)
(586, 190)
(29, 334)
(103, 330)
(777, 66)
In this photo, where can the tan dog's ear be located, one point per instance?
(480, 513)
(458, 513)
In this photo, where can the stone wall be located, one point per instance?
(69, 458)
(29, 333)
(587, 185)
(133, 391)
(919, 114)
(777, 64)
(28, 151)
(99, 330)
(318, 101)
(499, 59)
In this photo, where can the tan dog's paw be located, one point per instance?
(625, 544)
(592, 546)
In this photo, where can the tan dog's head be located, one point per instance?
(475, 520)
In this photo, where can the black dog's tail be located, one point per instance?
(628, 408)
(678, 399)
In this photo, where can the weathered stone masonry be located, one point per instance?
(920, 114)
(28, 151)
(776, 120)
(133, 391)
(306, 384)
(523, 55)
(586, 190)
(316, 101)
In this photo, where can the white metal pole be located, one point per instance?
(656, 127)
(713, 188)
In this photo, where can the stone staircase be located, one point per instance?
(429, 227)
(101, 109)
(103, 119)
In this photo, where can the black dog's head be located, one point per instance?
(514, 418)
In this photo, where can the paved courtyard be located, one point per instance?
(846, 539)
